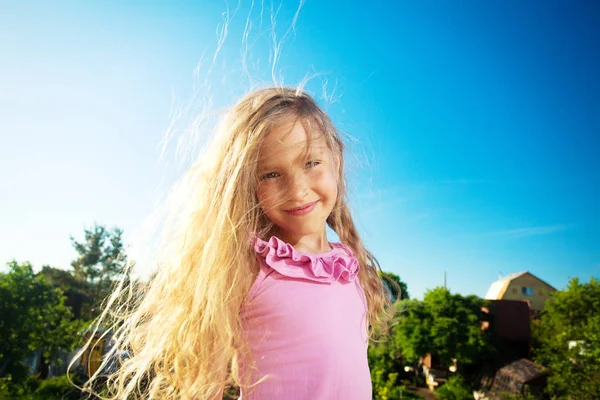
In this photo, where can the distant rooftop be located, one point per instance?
(510, 277)
(499, 287)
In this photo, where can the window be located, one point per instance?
(527, 291)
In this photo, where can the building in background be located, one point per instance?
(521, 286)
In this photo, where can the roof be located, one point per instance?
(515, 275)
(522, 370)
(498, 288)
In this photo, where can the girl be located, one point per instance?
(251, 293)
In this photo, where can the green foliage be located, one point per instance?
(34, 389)
(79, 292)
(385, 354)
(412, 336)
(387, 386)
(37, 317)
(385, 360)
(101, 254)
(22, 390)
(34, 317)
(395, 285)
(456, 388)
(384, 363)
(65, 280)
(444, 323)
(56, 388)
(571, 316)
(101, 260)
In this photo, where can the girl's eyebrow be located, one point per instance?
(309, 153)
(267, 166)
(300, 159)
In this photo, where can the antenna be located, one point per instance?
(445, 286)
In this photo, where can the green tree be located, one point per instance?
(568, 341)
(398, 289)
(385, 359)
(101, 260)
(457, 388)
(446, 324)
(412, 335)
(34, 318)
(79, 292)
(101, 254)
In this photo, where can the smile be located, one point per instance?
(303, 210)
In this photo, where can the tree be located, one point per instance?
(394, 284)
(457, 388)
(385, 358)
(412, 335)
(568, 341)
(79, 292)
(34, 317)
(101, 254)
(101, 260)
(446, 324)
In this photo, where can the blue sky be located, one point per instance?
(478, 123)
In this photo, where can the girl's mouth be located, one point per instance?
(303, 210)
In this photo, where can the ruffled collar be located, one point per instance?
(334, 265)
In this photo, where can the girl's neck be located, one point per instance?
(314, 243)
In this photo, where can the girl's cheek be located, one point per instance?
(268, 192)
(319, 173)
(325, 175)
(263, 195)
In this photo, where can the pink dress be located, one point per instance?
(306, 321)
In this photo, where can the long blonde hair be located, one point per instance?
(183, 335)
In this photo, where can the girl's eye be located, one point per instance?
(269, 175)
(312, 164)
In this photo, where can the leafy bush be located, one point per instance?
(34, 389)
(56, 388)
(22, 389)
(567, 341)
(388, 387)
(457, 388)
(34, 318)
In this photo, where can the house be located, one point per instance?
(521, 286)
(519, 377)
(511, 321)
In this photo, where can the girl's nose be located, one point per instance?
(298, 187)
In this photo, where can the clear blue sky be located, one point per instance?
(478, 123)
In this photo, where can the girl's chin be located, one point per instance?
(297, 233)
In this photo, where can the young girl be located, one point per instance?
(251, 293)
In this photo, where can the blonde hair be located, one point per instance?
(183, 334)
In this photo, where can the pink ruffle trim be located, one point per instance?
(337, 264)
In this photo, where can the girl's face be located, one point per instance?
(297, 186)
